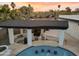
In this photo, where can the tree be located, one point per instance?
(51, 13)
(77, 9)
(13, 5)
(30, 10)
(56, 13)
(13, 12)
(24, 10)
(68, 9)
(59, 6)
(59, 9)
(4, 10)
(0, 8)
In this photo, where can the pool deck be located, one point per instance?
(70, 43)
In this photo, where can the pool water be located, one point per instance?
(45, 51)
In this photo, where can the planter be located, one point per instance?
(4, 50)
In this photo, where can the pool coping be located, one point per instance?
(46, 45)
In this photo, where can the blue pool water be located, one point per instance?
(45, 51)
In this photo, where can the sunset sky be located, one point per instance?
(45, 6)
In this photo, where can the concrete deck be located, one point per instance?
(70, 43)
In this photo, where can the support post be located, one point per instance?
(42, 31)
(29, 37)
(21, 31)
(61, 38)
(11, 35)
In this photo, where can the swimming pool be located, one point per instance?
(45, 51)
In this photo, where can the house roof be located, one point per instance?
(48, 24)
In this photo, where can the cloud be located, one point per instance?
(45, 6)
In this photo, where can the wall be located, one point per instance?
(4, 37)
(73, 29)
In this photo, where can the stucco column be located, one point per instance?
(21, 31)
(11, 35)
(29, 37)
(61, 38)
(42, 31)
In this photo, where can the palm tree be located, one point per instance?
(59, 9)
(57, 12)
(13, 5)
(13, 12)
(59, 6)
(30, 10)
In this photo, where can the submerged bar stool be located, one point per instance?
(33, 24)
